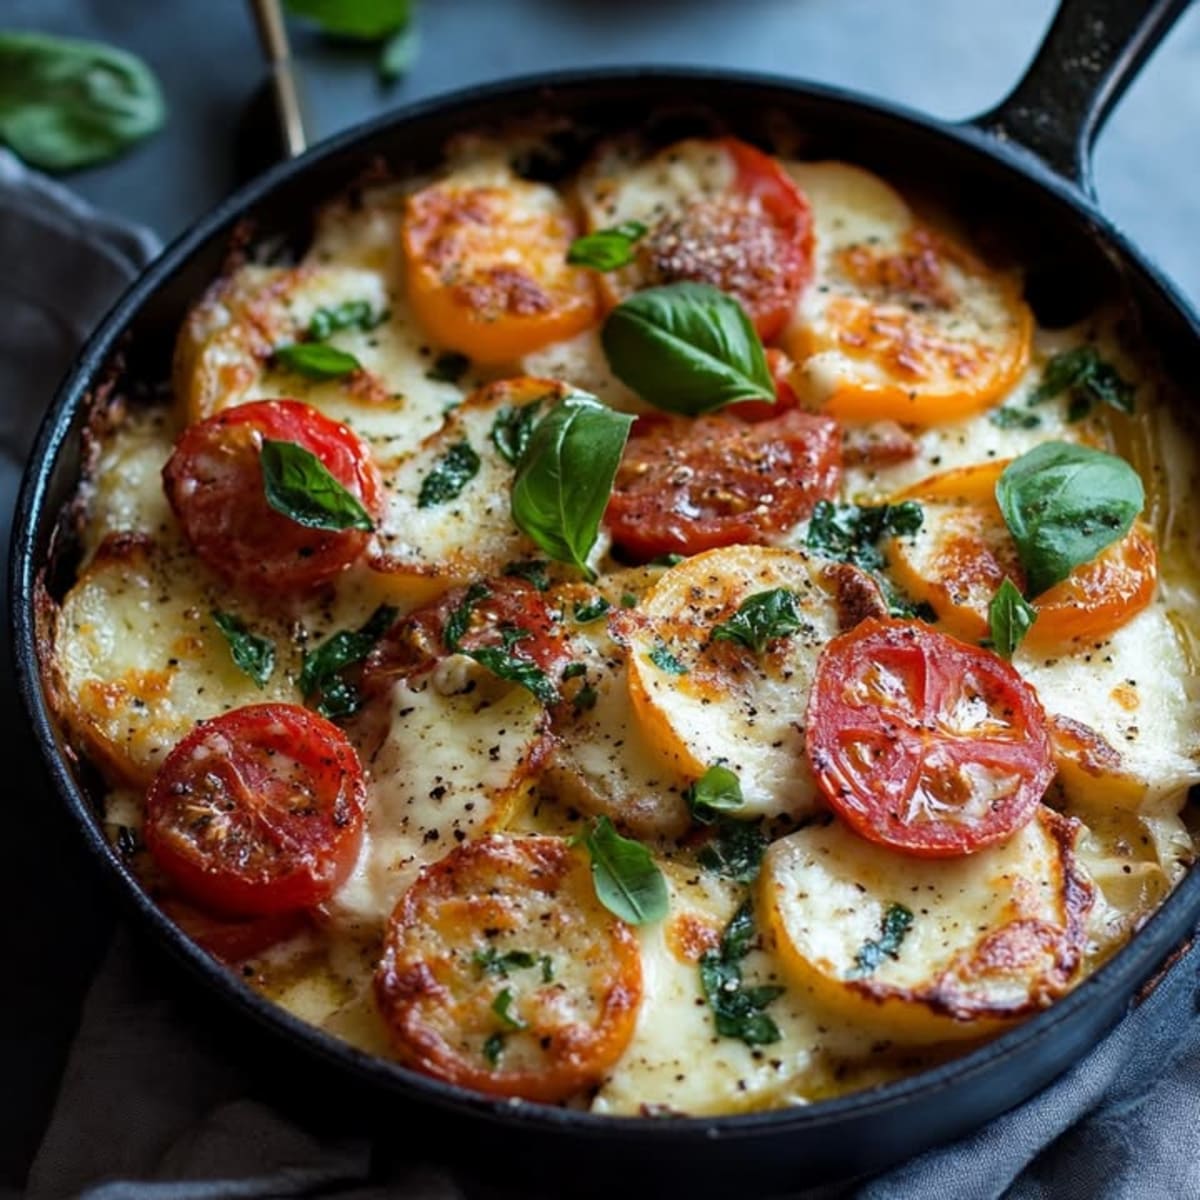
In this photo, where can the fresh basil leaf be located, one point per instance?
(459, 620)
(606, 249)
(687, 348)
(452, 472)
(628, 882)
(737, 1009)
(736, 850)
(1010, 617)
(533, 572)
(67, 104)
(760, 619)
(1014, 418)
(1063, 504)
(897, 921)
(565, 475)
(363, 20)
(493, 1047)
(298, 484)
(320, 668)
(399, 53)
(664, 660)
(492, 962)
(251, 653)
(1089, 379)
(591, 610)
(851, 532)
(353, 314)
(502, 1007)
(448, 368)
(512, 429)
(717, 791)
(315, 360)
(515, 669)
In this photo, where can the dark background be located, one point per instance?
(952, 58)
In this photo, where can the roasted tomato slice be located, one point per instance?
(506, 615)
(718, 212)
(687, 485)
(923, 743)
(501, 971)
(258, 811)
(486, 265)
(214, 482)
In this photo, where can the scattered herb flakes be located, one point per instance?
(1007, 417)
(502, 1007)
(663, 659)
(532, 571)
(353, 314)
(453, 471)
(628, 600)
(492, 962)
(493, 1047)
(897, 921)
(760, 619)
(738, 1009)
(1088, 378)
(512, 429)
(585, 699)
(735, 851)
(591, 610)
(320, 671)
(852, 533)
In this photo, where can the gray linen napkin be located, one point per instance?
(157, 1102)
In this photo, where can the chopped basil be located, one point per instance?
(687, 348)
(585, 699)
(1088, 379)
(760, 619)
(717, 791)
(897, 920)
(353, 314)
(515, 669)
(251, 653)
(664, 660)
(512, 429)
(738, 1009)
(492, 962)
(736, 850)
(533, 571)
(628, 600)
(1063, 504)
(493, 1047)
(627, 881)
(66, 103)
(606, 249)
(448, 368)
(502, 1007)
(321, 668)
(1014, 418)
(574, 671)
(565, 475)
(852, 533)
(297, 484)
(315, 360)
(591, 610)
(1010, 617)
(459, 620)
(450, 474)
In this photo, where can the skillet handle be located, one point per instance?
(1091, 53)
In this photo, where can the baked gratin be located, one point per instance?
(681, 639)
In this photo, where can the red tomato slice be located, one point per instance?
(506, 614)
(923, 743)
(780, 367)
(258, 811)
(756, 243)
(215, 485)
(686, 485)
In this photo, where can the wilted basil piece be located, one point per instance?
(687, 348)
(315, 360)
(251, 653)
(564, 477)
(533, 571)
(450, 474)
(897, 921)
(1010, 617)
(852, 533)
(1088, 378)
(353, 314)
(320, 669)
(67, 104)
(512, 429)
(717, 791)
(591, 610)
(628, 882)
(738, 1009)
(606, 249)
(297, 484)
(1063, 504)
(502, 1007)
(736, 850)
(664, 660)
(760, 619)
(511, 667)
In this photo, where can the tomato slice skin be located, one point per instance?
(692, 484)
(258, 811)
(214, 483)
(923, 743)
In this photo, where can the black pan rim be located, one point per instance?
(1123, 973)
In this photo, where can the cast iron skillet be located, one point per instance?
(1020, 171)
